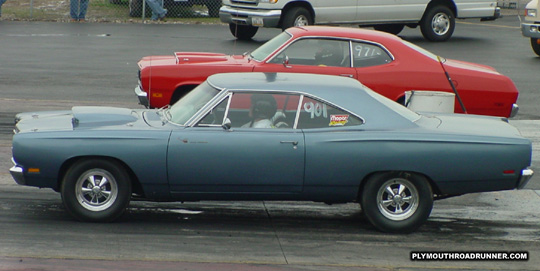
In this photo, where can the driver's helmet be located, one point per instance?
(329, 54)
(263, 106)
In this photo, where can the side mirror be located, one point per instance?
(226, 124)
(286, 62)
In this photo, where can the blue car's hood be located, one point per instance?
(95, 116)
(80, 117)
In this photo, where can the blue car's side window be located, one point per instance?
(262, 110)
(316, 114)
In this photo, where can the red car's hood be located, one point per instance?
(192, 58)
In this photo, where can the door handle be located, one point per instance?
(295, 143)
(347, 75)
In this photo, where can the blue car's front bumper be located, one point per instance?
(17, 173)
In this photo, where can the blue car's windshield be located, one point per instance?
(186, 107)
(270, 46)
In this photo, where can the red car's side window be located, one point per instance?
(316, 52)
(367, 55)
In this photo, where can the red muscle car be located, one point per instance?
(383, 62)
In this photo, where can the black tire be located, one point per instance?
(243, 32)
(390, 28)
(401, 212)
(213, 9)
(87, 198)
(438, 23)
(535, 46)
(297, 16)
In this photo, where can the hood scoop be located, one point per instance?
(92, 116)
(192, 57)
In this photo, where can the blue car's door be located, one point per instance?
(240, 160)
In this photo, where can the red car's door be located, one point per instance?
(312, 55)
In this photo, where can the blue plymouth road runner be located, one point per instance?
(268, 136)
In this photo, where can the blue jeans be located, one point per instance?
(78, 9)
(1, 3)
(157, 9)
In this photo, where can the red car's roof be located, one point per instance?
(344, 32)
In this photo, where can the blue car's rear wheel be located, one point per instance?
(396, 201)
(96, 190)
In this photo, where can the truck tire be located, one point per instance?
(297, 16)
(390, 28)
(243, 32)
(438, 23)
(535, 45)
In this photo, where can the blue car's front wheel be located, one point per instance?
(96, 190)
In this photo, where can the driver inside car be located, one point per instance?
(263, 108)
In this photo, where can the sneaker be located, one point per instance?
(162, 16)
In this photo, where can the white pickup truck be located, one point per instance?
(531, 27)
(435, 17)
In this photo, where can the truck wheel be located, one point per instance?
(397, 202)
(297, 16)
(390, 28)
(96, 190)
(535, 45)
(243, 32)
(438, 23)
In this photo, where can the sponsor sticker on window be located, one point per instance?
(338, 120)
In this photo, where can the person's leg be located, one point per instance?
(157, 10)
(82, 9)
(1, 3)
(74, 9)
(154, 5)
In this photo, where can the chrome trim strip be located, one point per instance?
(250, 12)
(526, 176)
(17, 172)
(514, 111)
(142, 95)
